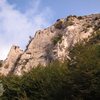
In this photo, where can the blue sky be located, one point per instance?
(21, 18)
(63, 8)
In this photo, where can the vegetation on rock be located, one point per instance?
(77, 79)
(1, 63)
(56, 39)
(59, 24)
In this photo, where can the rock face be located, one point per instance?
(38, 50)
(11, 60)
(50, 44)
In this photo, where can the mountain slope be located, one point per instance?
(52, 43)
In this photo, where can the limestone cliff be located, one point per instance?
(50, 44)
(11, 60)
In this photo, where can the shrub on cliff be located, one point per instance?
(1, 63)
(57, 39)
(59, 24)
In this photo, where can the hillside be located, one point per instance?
(60, 64)
(50, 44)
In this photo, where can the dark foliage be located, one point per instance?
(78, 79)
(57, 39)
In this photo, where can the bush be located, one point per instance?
(97, 26)
(68, 23)
(77, 79)
(95, 38)
(56, 39)
(80, 17)
(1, 63)
(59, 24)
(85, 71)
(40, 83)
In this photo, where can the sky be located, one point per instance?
(20, 19)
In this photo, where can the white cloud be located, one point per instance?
(15, 26)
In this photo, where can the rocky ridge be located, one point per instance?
(50, 44)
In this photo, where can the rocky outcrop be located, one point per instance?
(50, 44)
(71, 35)
(11, 60)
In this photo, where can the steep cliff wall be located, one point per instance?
(50, 44)
(11, 60)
